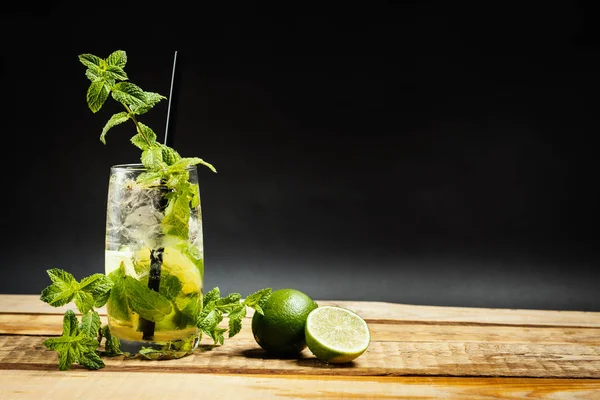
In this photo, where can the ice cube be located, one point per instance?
(143, 226)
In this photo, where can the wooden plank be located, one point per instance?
(374, 311)
(51, 324)
(45, 385)
(381, 359)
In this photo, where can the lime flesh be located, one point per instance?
(336, 335)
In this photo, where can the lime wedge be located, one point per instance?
(336, 335)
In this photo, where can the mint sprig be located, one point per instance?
(74, 345)
(216, 307)
(164, 165)
(79, 341)
(91, 292)
(108, 78)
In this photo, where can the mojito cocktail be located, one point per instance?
(154, 256)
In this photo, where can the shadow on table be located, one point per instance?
(303, 360)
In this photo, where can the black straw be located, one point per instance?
(156, 255)
(147, 327)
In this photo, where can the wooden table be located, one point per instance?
(416, 352)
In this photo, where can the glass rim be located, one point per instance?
(139, 167)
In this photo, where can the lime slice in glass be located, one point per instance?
(336, 334)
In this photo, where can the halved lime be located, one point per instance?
(336, 335)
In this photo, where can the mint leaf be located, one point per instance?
(116, 73)
(208, 322)
(226, 304)
(96, 95)
(257, 299)
(128, 94)
(101, 298)
(84, 301)
(215, 306)
(183, 163)
(112, 346)
(87, 358)
(170, 156)
(189, 305)
(149, 304)
(117, 58)
(236, 316)
(93, 75)
(152, 99)
(152, 158)
(70, 324)
(90, 324)
(196, 161)
(151, 353)
(62, 290)
(217, 335)
(169, 350)
(212, 296)
(62, 346)
(98, 286)
(149, 177)
(91, 61)
(118, 303)
(115, 120)
(170, 286)
(74, 346)
(145, 137)
(178, 167)
(178, 182)
(177, 216)
(195, 193)
(92, 291)
(209, 318)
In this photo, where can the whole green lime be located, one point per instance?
(281, 329)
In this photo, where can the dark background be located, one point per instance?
(421, 153)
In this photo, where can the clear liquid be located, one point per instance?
(180, 291)
(161, 289)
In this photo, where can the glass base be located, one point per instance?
(160, 351)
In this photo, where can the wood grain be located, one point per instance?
(415, 352)
(44, 385)
(375, 311)
(51, 324)
(381, 359)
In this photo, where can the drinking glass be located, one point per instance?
(157, 274)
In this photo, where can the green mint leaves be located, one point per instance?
(90, 324)
(89, 293)
(149, 304)
(128, 293)
(215, 307)
(74, 346)
(115, 120)
(108, 78)
(129, 95)
(164, 164)
(79, 340)
(112, 346)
